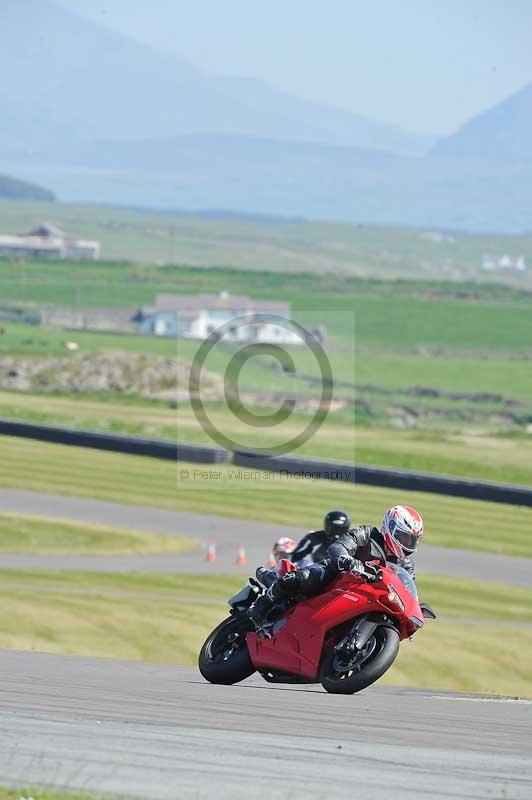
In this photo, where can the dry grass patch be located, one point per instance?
(165, 619)
(43, 536)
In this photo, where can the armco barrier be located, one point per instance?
(314, 468)
(156, 448)
(391, 478)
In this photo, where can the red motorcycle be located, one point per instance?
(345, 638)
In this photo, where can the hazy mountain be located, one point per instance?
(503, 133)
(14, 189)
(101, 118)
(89, 82)
(32, 128)
(293, 179)
(212, 152)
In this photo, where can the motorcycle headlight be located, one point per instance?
(393, 597)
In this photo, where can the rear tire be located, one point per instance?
(337, 682)
(224, 662)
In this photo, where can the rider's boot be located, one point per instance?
(260, 608)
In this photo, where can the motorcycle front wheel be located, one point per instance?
(349, 676)
(224, 657)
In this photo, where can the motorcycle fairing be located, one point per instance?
(297, 645)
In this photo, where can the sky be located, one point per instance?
(425, 65)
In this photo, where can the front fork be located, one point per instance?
(356, 644)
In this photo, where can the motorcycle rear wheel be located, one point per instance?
(222, 661)
(351, 680)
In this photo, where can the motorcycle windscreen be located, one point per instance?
(405, 578)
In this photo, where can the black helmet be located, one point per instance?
(335, 523)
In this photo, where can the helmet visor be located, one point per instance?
(336, 528)
(406, 539)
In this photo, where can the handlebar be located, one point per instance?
(372, 576)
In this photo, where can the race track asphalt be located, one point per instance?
(160, 733)
(227, 533)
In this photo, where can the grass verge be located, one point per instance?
(225, 491)
(388, 362)
(467, 658)
(42, 536)
(165, 619)
(484, 457)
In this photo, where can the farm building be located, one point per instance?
(47, 241)
(504, 262)
(111, 320)
(198, 316)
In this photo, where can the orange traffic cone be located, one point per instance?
(211, 551)
(241, 559)
(271, 561)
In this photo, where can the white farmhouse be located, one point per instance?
(198, 316)
(504, 262)
(48, 241)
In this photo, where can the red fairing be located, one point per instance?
(300, 636)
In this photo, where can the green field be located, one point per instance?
(432, 356)
(396, 314)
(449, 522)
(325, 248)
(380, 369)
(447, 392)
(165, 619)
(22, 534)
(484, 457)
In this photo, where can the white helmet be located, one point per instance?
(282, 548)
(402, 528)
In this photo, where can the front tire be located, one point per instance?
(383, 647)
(224, 657)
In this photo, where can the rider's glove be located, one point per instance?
(374, 571)
(349, 564)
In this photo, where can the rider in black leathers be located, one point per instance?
(350, 551)
(314, 545)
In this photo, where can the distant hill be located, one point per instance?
(13, 189)
(100, 84)
(220, 153)
(503, 133)
(294, 179)
(101, 118)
